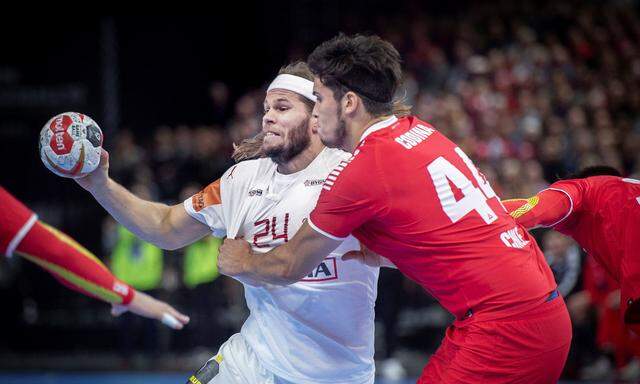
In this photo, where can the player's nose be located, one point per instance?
(268, 119)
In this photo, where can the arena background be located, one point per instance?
(532, 92)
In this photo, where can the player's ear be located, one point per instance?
(313, 124)
(350, 103)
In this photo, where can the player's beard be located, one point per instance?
(297, 141)
(339, 137)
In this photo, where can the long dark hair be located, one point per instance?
(366, 65)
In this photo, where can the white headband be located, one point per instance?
(296, 84)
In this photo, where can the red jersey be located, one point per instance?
(411, 195)
(601, 213)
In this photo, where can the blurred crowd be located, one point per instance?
(531, 93)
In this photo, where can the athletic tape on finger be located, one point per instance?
(170, 321)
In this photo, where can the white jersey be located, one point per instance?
(320, 329)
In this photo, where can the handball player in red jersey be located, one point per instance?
(600, 210)
(72, 265)
(411, 195)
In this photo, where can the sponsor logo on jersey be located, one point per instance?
(255, 192)
(198, 201)
(325, 271)
(414, 136)
(210, 195)
(513, 239)
(230, 176)
(313, 183)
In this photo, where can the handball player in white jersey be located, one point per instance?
(318, 330)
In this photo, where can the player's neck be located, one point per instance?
(358, 126)
(302, 159)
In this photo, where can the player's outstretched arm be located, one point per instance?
(71, 264)
(168, 227)
(78, 269)
(283, 265)
(546, 209)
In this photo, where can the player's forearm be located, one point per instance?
(147, 220)
(282, 265)
(275, 267)
(291, 261)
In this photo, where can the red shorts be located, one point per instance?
(529, 348)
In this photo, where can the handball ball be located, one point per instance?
(70, 145)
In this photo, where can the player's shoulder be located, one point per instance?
(247, 170)
(604, 187)
(403, 132)
(330, 158)
(576, 190)
(570, 186)
(604, 180)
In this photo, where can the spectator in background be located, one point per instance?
(614, 350)
(563, 256)
(219, 95)
(139, 264)
(204, 289)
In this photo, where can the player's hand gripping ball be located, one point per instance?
(70, 144)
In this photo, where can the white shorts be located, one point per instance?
(235, 363)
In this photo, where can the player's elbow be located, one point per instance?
(162, 239)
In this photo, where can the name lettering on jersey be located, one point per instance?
(255, 192)
(414, 136)
(313, 183)
(325, 271)
(513, 239)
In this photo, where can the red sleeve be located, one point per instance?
(15, 221)
(72, 265)
(69, 262)
(547, 208)
(351, 195)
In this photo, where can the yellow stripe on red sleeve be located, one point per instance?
(78, 282)
(68, 240)
(72, 264)
(528, 205)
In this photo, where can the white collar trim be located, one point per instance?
(378, 126)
